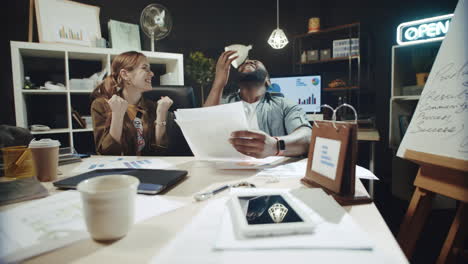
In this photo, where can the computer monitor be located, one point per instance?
(303, 90)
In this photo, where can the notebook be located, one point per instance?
(151, 181)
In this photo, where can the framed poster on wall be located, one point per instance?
(64, 21)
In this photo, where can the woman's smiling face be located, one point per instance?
(141, 76)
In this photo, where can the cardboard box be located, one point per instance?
(312, 55)
(82, 84)
(325, 54)
(345, 47)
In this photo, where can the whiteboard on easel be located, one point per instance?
(440, 122)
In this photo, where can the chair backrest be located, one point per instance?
(183, 97)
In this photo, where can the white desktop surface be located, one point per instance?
(146, 239)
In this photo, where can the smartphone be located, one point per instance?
(268, 215)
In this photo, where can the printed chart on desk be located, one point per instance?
(302, 90)
(122, 163)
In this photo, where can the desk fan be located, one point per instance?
(156, 22)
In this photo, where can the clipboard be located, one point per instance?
(332, 159)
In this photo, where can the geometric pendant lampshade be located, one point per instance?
(277, 39)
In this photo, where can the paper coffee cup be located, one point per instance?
(109, 205)
(45, 155)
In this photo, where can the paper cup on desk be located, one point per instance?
(45, 155)
(109, 205)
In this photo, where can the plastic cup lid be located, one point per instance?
(44, 143)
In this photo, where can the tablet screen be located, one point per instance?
(267, 209)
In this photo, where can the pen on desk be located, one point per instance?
(206, 195)
(203, 196)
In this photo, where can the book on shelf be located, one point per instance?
(68, 155)
(78, 121)
(404, 121)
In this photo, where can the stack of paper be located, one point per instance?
(207, 130)
(209, 238)
(334, 229)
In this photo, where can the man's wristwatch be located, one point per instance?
(281, 146)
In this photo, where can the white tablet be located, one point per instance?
(268, 215)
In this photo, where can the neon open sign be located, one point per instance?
(429, 29)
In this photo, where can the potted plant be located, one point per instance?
(200, 70)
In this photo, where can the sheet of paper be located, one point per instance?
(250, 164)
(363, 173)
(338, 233)
(197, 239)
(49, 223)
(207, 130)
(440, 121)
(121, 163)
(326, 155)
(298, 170)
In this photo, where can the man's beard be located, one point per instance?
(254, 78)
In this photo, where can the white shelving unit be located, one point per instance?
(62, 57)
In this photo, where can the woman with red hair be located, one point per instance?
(124, 122)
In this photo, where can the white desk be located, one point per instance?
(147, 238)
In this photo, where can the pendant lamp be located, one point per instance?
(278, 39)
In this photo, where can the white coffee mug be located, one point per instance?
(109, 205)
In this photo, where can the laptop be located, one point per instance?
(151, 181)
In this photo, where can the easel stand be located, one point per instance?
(436, 175)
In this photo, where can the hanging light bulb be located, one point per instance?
(277, 39)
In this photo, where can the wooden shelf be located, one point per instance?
(368, 134)
(327, 30)
(52, 131)
(331, 60)
(340, 89)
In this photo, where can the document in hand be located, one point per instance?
(208, 129)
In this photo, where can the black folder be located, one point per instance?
(151, 181)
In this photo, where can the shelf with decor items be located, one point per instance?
(339, 59)
(336, 54)
(411, 64)
(55, 105)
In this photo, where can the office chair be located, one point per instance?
(182, 97)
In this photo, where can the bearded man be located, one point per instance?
(277, 127)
